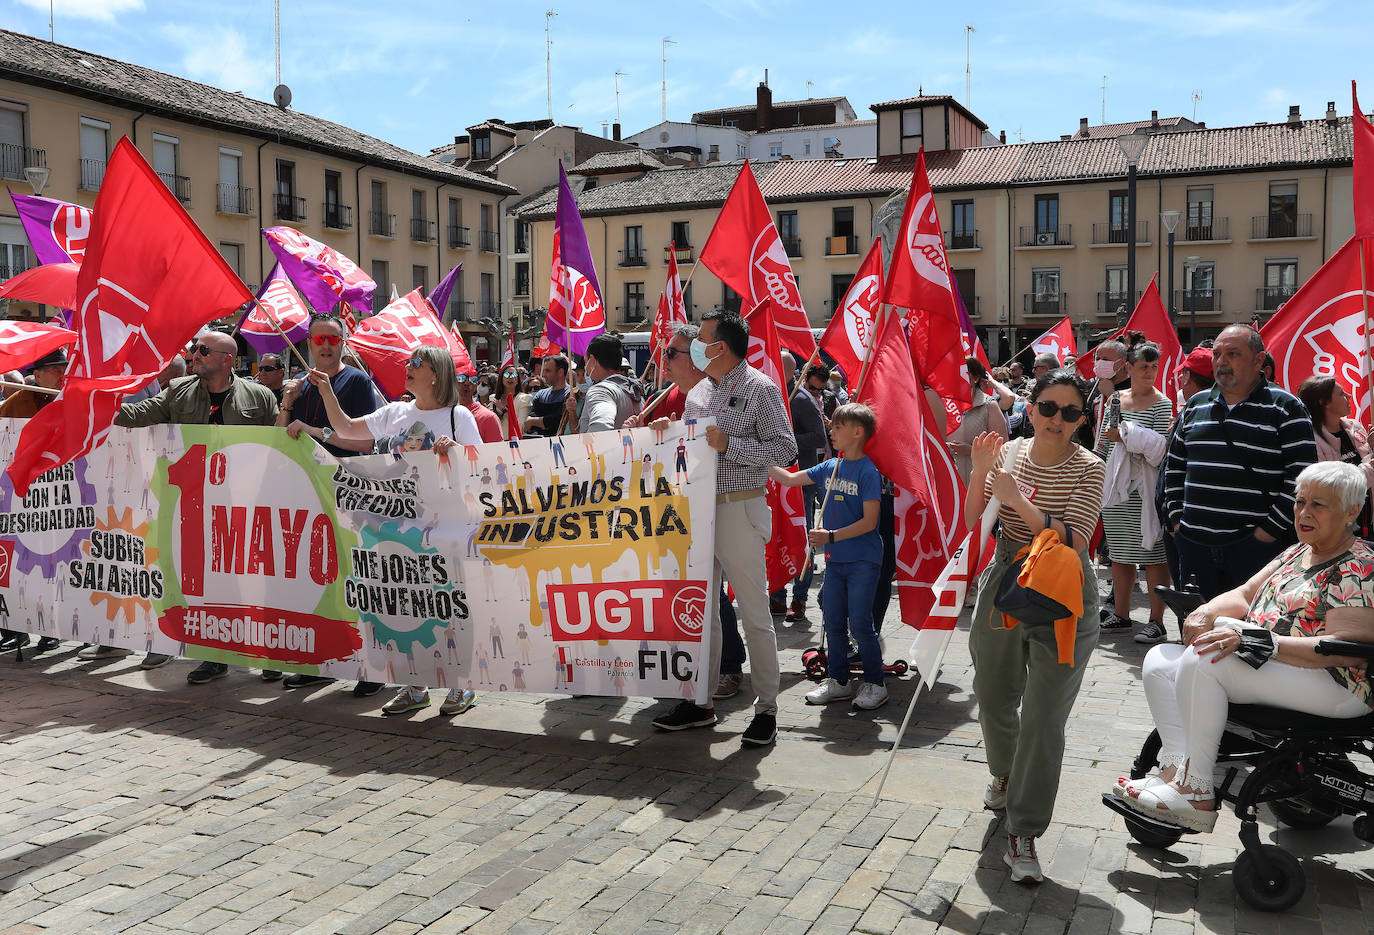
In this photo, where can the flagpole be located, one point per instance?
(272, 317)
(6, 385)
(1364, 298)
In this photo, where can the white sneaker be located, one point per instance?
(458, 701)
(995, 798)
(407, 699)
(870, 696)
(1020, 857)
(829, 691)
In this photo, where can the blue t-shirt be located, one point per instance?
(854, 483)
(356, 399)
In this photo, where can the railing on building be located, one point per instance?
(635, 258)
(1061, 236)
(842, 245)
(635, 308)
(792, 245)
(1278, 226)
(961, 240)
(92, 174)
(290, 207)
(423, 230)
(458, 237)
(1109, 232)
(459, 310)
(1271, 298)
(381, 224)
(684, 254)
(14, 159)
(179, 184)
(1109, 302)
(489, 241)
(1046, 303)
(1207, 229)
(1197, 300)
(488, 309)
(337, 216)
(233, 199)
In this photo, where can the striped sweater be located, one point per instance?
(1229, 472)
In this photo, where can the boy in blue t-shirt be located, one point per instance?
(851, 494)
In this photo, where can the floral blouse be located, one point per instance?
(1293, 601)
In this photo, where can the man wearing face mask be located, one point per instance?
(751, 433)
(611, 398)
(1109, 369)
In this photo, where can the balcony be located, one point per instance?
(423, 231)
(1062, 236)
(233, 199)
(1110, 233)
(792, 245)
(1109, 302)
(179, 184)
(1280, 227)
(522, 286)
(338, 217)
(381, 224)
(1207, 229)
(684, 254)
(635, 309)
(1045, 303)
(962, 240)
(458, 310)
(459, 237)
(289, 207)
(489, 241)
(631, 258)
(842, 245)
(488, 309)
(1197, 300)
(92, 174)
(14, 159)
(8, 271)
(1271, 298)
(522, 239)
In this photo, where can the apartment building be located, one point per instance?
(239, 165)
(1034, 231)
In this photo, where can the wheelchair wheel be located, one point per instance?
(1299, 814)
(1150, 835)
(1277, 892)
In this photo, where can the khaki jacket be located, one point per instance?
(187, 402)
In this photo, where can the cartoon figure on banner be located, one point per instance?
(410, 659)
(471, 452)
(440, 677)
(496, 648)
(680, 465)
(483, 668)
(451, 638)
(556, 446)
(627, 447)
(522, 639)
(618, 678)
(486, 477)
(502, 478)
(515, 455)
(517, 678)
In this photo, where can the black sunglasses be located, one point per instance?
(204, 350)
(1050, 409)
(268, 369)
(464, 378)
(672, 353)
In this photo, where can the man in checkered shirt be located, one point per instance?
(751, 434)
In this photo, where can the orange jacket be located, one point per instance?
(1056, 571)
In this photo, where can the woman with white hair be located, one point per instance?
(1257, 645)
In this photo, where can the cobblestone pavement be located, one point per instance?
(137, 803)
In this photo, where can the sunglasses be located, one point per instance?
(1049, 410)
(321, 339)
(508, 374)
(268, 369)
(672, 353)
(415, 362)
(462, 377)
(205, 350)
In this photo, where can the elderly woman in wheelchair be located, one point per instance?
(1257, 645)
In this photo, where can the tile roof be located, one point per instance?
(1113, 130)
(33, 61)
(1312, 143)
(617, 161)
(924, 100)
(746, 108)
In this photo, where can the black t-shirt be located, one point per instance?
(548, 405)
(217, 406)
(1351, 455)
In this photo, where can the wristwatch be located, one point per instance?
(832, 536)
(325, 433)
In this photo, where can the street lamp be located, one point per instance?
(1190, 265)
(1131, 146)
(1170, 221)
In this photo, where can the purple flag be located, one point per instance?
(287, 309)
(576, 313)
(439, 296)
(323, 275)
(57, 230)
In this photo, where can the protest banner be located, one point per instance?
(576, 564)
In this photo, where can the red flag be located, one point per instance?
(23, 342)
(909, 450)
(919, 281)
(544, 348)
(50, 284)
(509, 359)
(1322, 330)
(672, 310)
(386, 340)
(850, 332)
(1150, 318)
(745, 251)
(1364, 169)
(150, 280)
(350, 321)
(785, 554)
(1058, 340)
(512, 420)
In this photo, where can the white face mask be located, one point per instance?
(1104, 369)
(483, 390)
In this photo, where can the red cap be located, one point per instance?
(1199, 360)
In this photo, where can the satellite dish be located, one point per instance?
(663, 136)
(282, 95)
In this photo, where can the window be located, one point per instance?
(419, 278)
(729, 299)
(788, 231)
(381, 275)
(417, 203)
(682, 234)
(1117, 217)
(687, 300)
(1116, 294)
(288, 206)
(1280, 282)
(487, 285)
(1283, 209)
(522, 236)
(380, 219)
(522, 278)
(14, 254)
(336, 214)
(1044, 298)
(1199, 226)
(95, 149)
(457, 233)
(965, 289)
(842, 240)
(233, 197)
(1201, 294)
(634, 301)
(775, 150)
(740, 151)
(419, 221)
(839, 285)
(713, 153)
(732, 123)
(233, 255)
(455, 211)
(806, 147)
(456, 305)
(12, 156)
(633, 254)
(964, 234)
(911, 122)
(1046, 216)
(481, 146)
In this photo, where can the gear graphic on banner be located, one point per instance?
(406, 549)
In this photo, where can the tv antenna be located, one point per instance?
(618, 76)
(281, 94)
(666, 42)
(548, 60)
(810, 86)
(1197, 96)
(968, 66)
(1104, 100)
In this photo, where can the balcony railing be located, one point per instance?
(489, 241)
(459, 237)
(961, 240)
(522, 286)
(1044, 303)
(684, 254)
(458, 310)
(633, 258)
(842, 245)
(1277, 226)
(179, 184)
(1061, 236)
(337, 216)
(792, 245)
(14, 159)
(92, 174)
(522, 238)
(488, 309)
(423, 231)
(381, 224)
(1207, 229)
(289, 207)
(7, 271)
(1271, 298)
(1197, 300)
(1107, 232)
(1109, 302)
(635, 309)
(233, 199)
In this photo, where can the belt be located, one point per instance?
(736, 495)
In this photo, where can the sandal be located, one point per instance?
(1125, 784)
(1163, 802)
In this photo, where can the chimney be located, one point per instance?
(605, 129)
(1294, 116)
(1083, 126)
(1002, 137)
(764, 99)
(615, 130)
(1154, 118)
(1331, 112)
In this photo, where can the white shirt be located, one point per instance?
(402, 422)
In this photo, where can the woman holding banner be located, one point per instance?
(434, 419)
(1026, 677)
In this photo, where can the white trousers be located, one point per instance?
(1188, 695)
(742, 531)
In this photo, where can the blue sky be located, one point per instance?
(416, 72)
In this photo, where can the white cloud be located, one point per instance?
(103, 10)
(226, 63)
